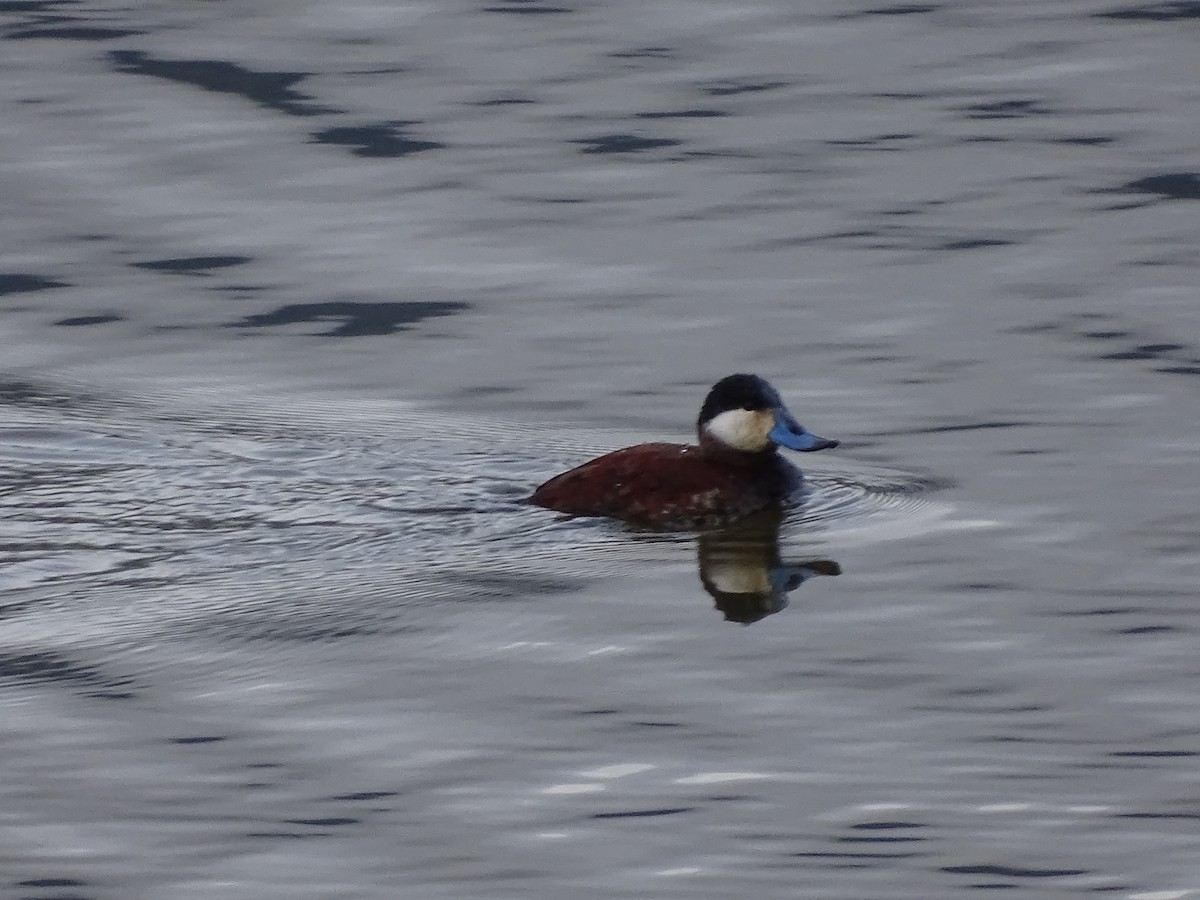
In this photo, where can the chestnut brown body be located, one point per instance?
(674, 486)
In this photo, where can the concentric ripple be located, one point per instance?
(868, 500)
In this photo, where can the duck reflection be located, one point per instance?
(741, 567)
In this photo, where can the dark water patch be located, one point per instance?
(26, 283)
(984, 707)
(1153, 754)
(1121, 207)
(1154, 12)
(273, 90)
(886, 825)
(1103, 611)
(43, 667)
(871, 143)
(1004, 109)
(366, 795)
(71, 33)
(891, 237)
(240, 289)
(1005, 739)
(732, 87)
(711, 154)
(99, 319)
(877, 839)
(504, 101)
(1169, 185)
(385, 140)
(643, 53)
(1165, 186)
(199, 739)
(1012, 871)
(358, 319)
(528, 7)
(1174, 258)
(47, 20)
(623, 143)
(51, 883)
(909, 95)
(17, 6)
(909, 9)
(801, 240)
(191, 265)
(644, 813)
(1162, 816)
(1086, 140)
(553, 201)
(1146, 629)
(382, 70)
(684, 114)
(1145, 351)
(969, 426)
(1173, 358)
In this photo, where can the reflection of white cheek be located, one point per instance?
(734, 577)
(741, 429)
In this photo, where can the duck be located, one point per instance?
(733, 471)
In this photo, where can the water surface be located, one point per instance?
(298, 300)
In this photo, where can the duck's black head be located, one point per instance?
(745, 413)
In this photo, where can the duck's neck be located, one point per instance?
(718, 450)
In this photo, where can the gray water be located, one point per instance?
(297, 301)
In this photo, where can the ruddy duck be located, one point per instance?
(735, 469)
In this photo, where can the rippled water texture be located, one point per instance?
(299, 300)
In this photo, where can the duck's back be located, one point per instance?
(667, 486)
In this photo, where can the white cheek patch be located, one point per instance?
(742, 429)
